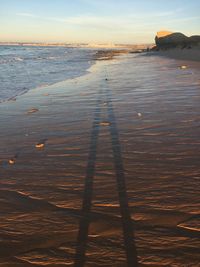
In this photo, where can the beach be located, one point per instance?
(103, 169)
(192, 54)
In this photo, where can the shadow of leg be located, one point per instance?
(127, 223)
(88, 189)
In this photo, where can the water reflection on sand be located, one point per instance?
(156, 111)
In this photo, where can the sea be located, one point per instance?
(26, 67)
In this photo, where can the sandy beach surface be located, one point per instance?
(182, 54)
(103, 170)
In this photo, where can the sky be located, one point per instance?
(95, 21)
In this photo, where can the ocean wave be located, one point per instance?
(10, 60)
(29, 68)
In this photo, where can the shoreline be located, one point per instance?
(100, 55)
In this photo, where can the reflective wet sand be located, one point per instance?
(111, 160)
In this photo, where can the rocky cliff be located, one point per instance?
(166, 39)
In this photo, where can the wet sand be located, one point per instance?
(103, 170)
(192, 54)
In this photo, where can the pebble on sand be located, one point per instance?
(32, 110)
(11, 161)
(40, 145)
(105, 103)
(183, 67)
(105, 123)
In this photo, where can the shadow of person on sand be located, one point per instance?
(127, 223)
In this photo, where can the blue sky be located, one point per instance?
(98, 21)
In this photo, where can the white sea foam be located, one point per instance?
(18, 59)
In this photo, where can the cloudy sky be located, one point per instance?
(110, 21)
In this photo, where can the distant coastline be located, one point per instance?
(80, 45)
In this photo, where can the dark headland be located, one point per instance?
(177, 45)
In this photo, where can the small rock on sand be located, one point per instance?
(32, 110)
(183, 67)
(11, 161)
(105, 123)
(40, 145)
